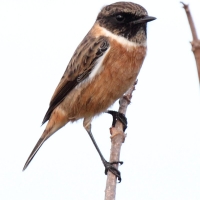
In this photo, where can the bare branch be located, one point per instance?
(190, 20)
(196, 42)
(117, 138)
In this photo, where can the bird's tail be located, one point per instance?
(56, 122)
(34, 151)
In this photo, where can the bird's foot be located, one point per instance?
(109, 167)
(118, 116)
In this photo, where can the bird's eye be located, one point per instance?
(120, 18)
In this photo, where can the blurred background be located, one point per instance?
(161, 153)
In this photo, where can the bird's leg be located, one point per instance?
(118, 116)
(108, 165)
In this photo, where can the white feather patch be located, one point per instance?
(96, 70)
(122, 40)
(98, 66)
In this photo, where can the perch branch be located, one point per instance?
(117, 138)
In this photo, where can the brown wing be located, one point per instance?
(78, 69)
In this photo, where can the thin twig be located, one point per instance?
(196, 42)
(117, 138)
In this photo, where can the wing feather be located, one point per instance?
(78, 69)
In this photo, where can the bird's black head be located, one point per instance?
(125, 19)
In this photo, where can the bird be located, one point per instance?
(103, 67)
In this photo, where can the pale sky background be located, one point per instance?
(161, 153)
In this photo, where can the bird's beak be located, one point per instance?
(144, 20)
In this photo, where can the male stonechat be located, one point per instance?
(103, 67)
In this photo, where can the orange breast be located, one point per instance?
(120, 69)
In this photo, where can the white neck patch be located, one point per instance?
(122, 40)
